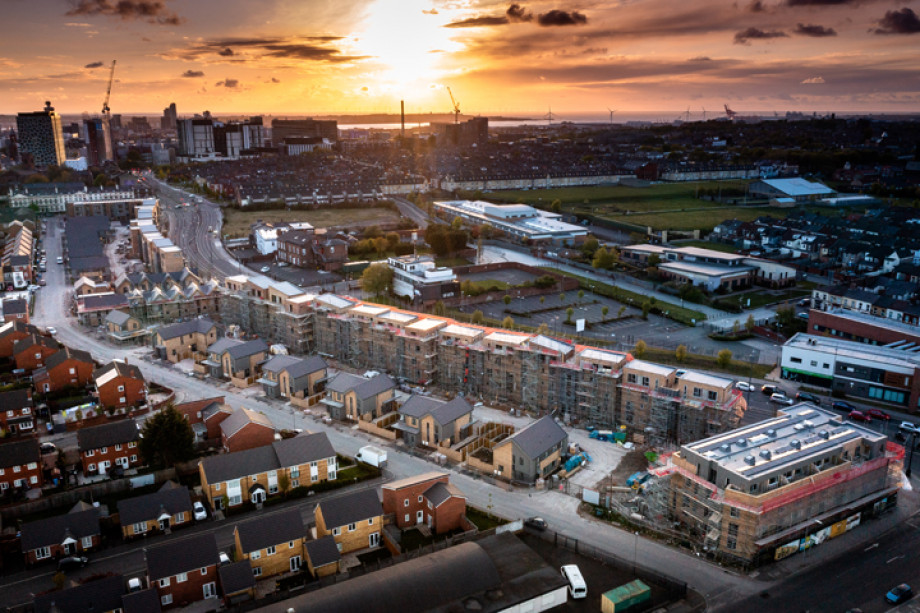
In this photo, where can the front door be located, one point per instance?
(419, 517)
(164, 524)
(69, 548)
(295, 563)
(374, 539)
(122, 461)
(258, 497)
(210, 590)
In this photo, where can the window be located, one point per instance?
(419, 498)
(733, 529)
(73, 371)
(295, 472)
(257, 571)
(122, 399)
(336, 531)
(631, 378)
(132, 445)
(295, 482)
(370, 522)
(134, 457)
(270, 551)
(31, 466)
(795, 360)
(104, 450)
(90, 453)
(814, 362)
(290, 544)
(255, 555)
(733, 512)
(164, 582)
(645, 381)
(166, 598)
(697, 392)
(217, 487)
(121, 388)
(179, 518)
(712, 395)
(351, 527)
(42, 552)
(33, 479)
(407, 518)
(86, 542)
(91, 467)
(181, 577)
(314, 478)
(731, 543)
(204, 571)
(140, 527)
(406, 502)
(118, 447)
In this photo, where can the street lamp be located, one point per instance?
(912, 441)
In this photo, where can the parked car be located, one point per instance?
(805, 302)
(909, 428)
(806, 397)
(781, 398)
(47, 448)
(135, 584)
(72, 563)
(878, 414)
(51, 330)
(224, 558)
(768, 389)
(803, 316)
(537, 523)
(899, 594)
(842, 405)
(265, 269)
(744, 386)
(60, 260)
(859, 416)
(200, 512)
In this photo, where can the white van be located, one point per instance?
(577, 587)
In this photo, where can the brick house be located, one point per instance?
(120, 385)
(74, 533)
(16, 411)
(122, 326)
(31, 352)
(185, 570)
(229, 358)
(105, 595)
(197, 411)
(428, 499)
(531, 453)
(245, 429)
(182, 341)
(236, 583)
(11, 332)
(20, 466)
(161, 511)
(354, 397)
(66, 368)
(323, 557)
(430, 422)
(273, 545)
(354, 520)
(309, 249)
(15, 309)
(254, 474)
(109, 445)
(285, 376)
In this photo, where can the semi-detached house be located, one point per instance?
(109, 445)
(159, 511)
(354, 520)
(73, 533)
(273, 544)
(184, 570)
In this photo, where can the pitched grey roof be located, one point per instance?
(240, 418)
(440, 492)
(288, 452)
(53, 530)
(181, 555)
(151, 506)
(351, 508)
(539, 436)
(222, 344)
(103, 301)
(271, 530)
(450, 411)
(344, 382)
(235, 577)
(68, 354)
(107, 435)
(376, 385)
(123, 369)
(16, 399)
(323, 551)
(418, 406)
(18, 453)
(119, 318)
(295, 367)
(278, 363)
(101, 595)
(145, 601)
(248, 348)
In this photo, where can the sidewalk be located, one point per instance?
(864, 536)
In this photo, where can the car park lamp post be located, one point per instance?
(912, 441)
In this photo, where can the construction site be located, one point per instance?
(767, 491)
(580, 384)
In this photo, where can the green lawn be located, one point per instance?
(705, 362)
(653, 197)
(237, 222)
(761, 297)
(704, 220)
(483, 520)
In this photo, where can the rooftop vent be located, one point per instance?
(741, 442)
(795, 443)
(765, 454)
(809, 424)
(824, 434)
(749, 459)
(771, 433)
(726, 448)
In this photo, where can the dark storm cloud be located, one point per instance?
(192, 74)
(231, 83)
(476, 22)
(94, 65)
(814, 30)
(516, 12)
(308, 52)
(152, 11)
(225, 52)
(242, 50)
(557, 17)
(904, 21)
(741, 38)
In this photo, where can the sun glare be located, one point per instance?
(406, 45)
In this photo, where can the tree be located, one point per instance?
(507, 322)
(604, 311)
(736, 327)
(392, 239)
(561, 297)
(371, 232)
(621, 311)
(440, 309)
(380, 246)
(556, 206)
(603, 259)
(376, 279)
(581, 294)
(724, 358)
(457, 223)
(681, 353)
(284, 483)
(749, 324)
(590, 246)
(506, 299)
(542, 299)
(543, 329)
(646, 307)
(167, 439)
(640, 349)
(568, 314)
(477, 317)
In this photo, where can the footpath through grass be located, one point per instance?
(672, 311)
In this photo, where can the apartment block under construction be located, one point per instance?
(783, 485)
(582, 384)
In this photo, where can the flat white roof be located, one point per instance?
(704, 379)
(710, 270)
(551, 344)
(598, 355)
(398, 318)
(797, 186)
(424, 325)
(650, 367)
(334, 301)
(508, 339)
(455, 330)
(708, 253)
(368, 309)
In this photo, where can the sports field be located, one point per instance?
(237, 222)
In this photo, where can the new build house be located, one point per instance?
(160, 511)
(111, 445)
(184, 570)
(355, 397)
(429, 499)
(273, 545)
(285, 376)
(73, 533)
(354, 520)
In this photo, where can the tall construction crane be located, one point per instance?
(108, 92)
(456, 106)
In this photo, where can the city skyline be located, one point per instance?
(361, 56)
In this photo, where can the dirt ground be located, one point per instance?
(632, 462)
(237, 223)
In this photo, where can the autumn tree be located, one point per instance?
(724, 358)
(640, 349)
(681, 353)
(376, 279)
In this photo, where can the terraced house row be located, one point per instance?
(597, 386)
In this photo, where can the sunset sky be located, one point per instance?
(356, 56)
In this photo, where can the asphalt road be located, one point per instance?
(411, 211)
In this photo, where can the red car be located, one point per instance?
(878, 414)
(859, 416)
